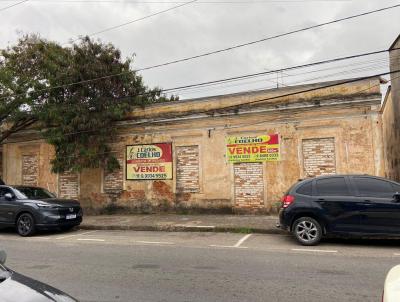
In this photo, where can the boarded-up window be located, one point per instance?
(187, 169)
(113, 182)
(319, 156)
(68, 183)
(30, 169)
(249, 185)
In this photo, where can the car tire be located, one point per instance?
(26, 225)
(307, 231)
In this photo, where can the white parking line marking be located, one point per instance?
(154, 242)
(396, 254)
(69, 236)
(228, 246)
(239, 243)
(216, 245)
(90, 239)
(317, 251)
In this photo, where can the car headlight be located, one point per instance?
(45, 205)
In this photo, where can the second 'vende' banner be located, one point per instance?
(252, 148)
(148, 162)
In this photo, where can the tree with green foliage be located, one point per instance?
(51, 86)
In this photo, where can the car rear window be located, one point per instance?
(373, 187)
(334, 186)
(305, 189)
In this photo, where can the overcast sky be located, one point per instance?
(212, 24)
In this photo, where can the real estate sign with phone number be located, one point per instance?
(149, 162)
(252, 148)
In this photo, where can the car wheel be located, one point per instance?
(307, 231)
(25, 225)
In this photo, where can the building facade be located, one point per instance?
(391, 116)
(303, 131)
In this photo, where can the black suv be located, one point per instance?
(341, 205)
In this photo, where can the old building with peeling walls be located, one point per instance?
(323, 128)
(391, 116)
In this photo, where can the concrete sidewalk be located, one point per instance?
(183, 223)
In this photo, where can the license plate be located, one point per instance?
(70, 216)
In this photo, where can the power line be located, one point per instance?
(12, 5)
(214, 81)
(268, 38)
(278, 70)
(371, 66)
(301, 82)
(306, 90)
(180, 2)
(132, 21)
(345, 72)
(198, 88)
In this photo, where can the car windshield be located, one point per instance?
(33, 193)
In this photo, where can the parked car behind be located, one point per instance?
(359, 205)
(33, 208)
(16, 287)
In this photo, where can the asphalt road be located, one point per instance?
(152, 266)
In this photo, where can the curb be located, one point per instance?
(180, 228)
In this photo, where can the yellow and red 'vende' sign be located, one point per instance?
(252, 148)
(147, 162)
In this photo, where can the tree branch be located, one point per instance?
(17, 126)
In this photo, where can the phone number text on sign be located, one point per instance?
(149, 162)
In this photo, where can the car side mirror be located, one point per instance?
(8, 196)
(396, 197)
(3, 257)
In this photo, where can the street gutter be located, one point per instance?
(182, 228)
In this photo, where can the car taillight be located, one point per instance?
(287, 200)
